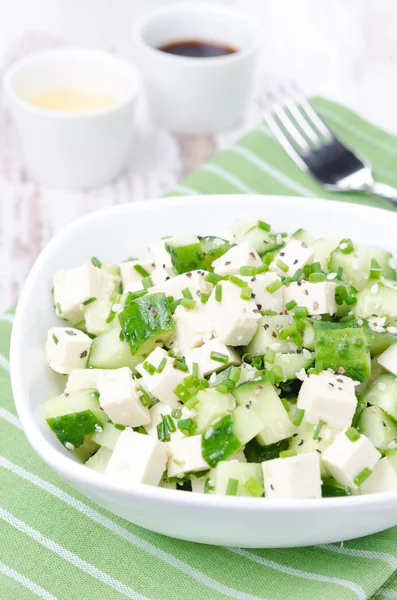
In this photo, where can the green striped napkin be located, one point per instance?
(57, 544)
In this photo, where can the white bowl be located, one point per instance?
(112, 235)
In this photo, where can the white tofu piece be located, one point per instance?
(82, 379)
(193, 281)
(382, 479)
(318, 298)
(67, 349)
(130, 277)
(239, 256)
(186, 456)
(264, 299)
(155, 413)
(202, 356)
(345, 459)
(192, 329)
(234, 319)
(295, 255)
(328, 397)
(95, 315)
(161, 385)
(294, 477)
(388, 359)
(137, 458)
(74, 286)
(160, 255)
(119, 397)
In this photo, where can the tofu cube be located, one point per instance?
(82, 379)
(294, 477)
(67, 349)
(234, 319)
(119, 397)
(388, 359)
(131, 278)
(206, 364)
(318, 298)
(72, 287)
(345, 460)
(137, 458)
(155, 413)
(161, 385)
(161, 257)
(194, 281)
(382, 479)
(328, 397)
(186, 456)
(239, 256)
(295, 255)
(192, 329)
(264, 299)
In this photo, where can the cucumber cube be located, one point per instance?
(146, 321)
(186, 253)
(107, 437)
(378, 299)
(71, 429)
(213, 247)
(383, 393)
(291, 363)
(100, 460)
(219, 442)
(243, 473)
(212, 405)
(377, 426)
(346, 348)
(108, 351)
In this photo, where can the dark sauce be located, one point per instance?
(197, 49)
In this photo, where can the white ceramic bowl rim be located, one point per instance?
(99, 482)
(193, 7)
(65, 52)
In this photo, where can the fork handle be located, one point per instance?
(383, 190)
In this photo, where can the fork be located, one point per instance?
(317, 150)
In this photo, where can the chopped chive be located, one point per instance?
(232, 485)
(269, 356)
(168, 420)
(213, 278)
(285, 404)
(144, 397)
(204, 297)
(133, 295)
(151, 369)
(218, 293)
(298, 416)
(70, 332)
(346, 246)
(235, 373)
(192, 402)
(189, 303)
(247, 358)
(176, 413)
(171, 353)
(274, 286)
(287, 453)
(254, 487)
(147, 282)
(89, 301)
(207, 486)
(219, 357)
(352, 434)
(186, 293)
(179, 364)
(195, 369)
(261, 269)
(269, 257)
(182, 392)
(54, 337)
(120, 427)
(246, 293)
(282, 266)
(222, 388)
(339, 273)
(96, 262)
(290, 305)
(264, 226)
(317, 430)
(278, 373)
(288, 332)
(162, 365)
(162, 432)
(257, 362)
(248, 271)
(375, 270)
(141, 271)
(237, 281)
(300, 312)
(190, 381)
(361, 477)
(175, 304)
(317, 277)
(316, 267)
(111, 316)
(297, 275)
(187, 426)
(268, 313)
(229, 384)
(307, 269)
(340, 294)
(140, 429)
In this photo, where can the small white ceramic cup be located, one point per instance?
(73, 149)
(196, 95)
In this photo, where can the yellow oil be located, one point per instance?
(71, 100)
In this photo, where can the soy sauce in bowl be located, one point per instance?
(197, 48)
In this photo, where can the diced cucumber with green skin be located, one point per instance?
(257, 453)
(262, 241)
(383, 393)
(330, 488)
(355, 265)
(378, 342)
(385, 260)
(247, 423)
(376, 370)
(263, 399)
(308, 336)
(186, 253)
(96, 315)
(147, 321)
(378, 427)
(212, 405)
(361, 404)
(212, 248)
(86, 450)
(74, 402)
(100, 460)
(347, 348)
(267, 334)
(377, 299)
(290, 363)
(108, 351)
(304, 442)
(322, 251)
(245, 374)
(391, 456)
(72, 428)
(242, 473)
(220, 441)
(108, 436)
(303, 236)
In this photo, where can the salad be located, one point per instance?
(253, 364)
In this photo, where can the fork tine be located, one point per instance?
(293, 108)
(311, 114)
(297, 138)
(283, 140)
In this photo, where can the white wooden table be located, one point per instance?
(344, 50)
